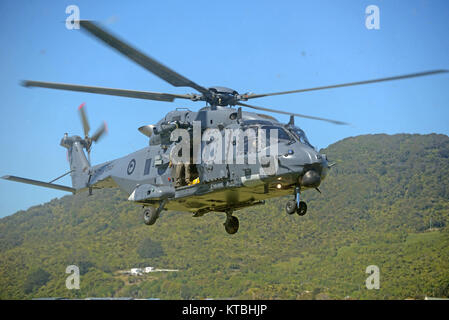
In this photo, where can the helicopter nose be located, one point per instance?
(310, 164)
(324, 167)
(313, 177)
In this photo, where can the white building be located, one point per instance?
(136, 271)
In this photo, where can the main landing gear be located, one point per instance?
(150, 214)
(232, 223)
(292, 206)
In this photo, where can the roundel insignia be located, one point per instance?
(131, 166)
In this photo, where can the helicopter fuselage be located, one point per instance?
(147, 175)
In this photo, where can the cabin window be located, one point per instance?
(147, 167)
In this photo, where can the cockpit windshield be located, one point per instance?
(282, 135)
(269, 129)
(300, 135)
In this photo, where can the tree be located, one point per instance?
(35, 280)
(150, 249)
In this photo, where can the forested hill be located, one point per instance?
(376, 208)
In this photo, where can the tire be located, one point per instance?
(290, 206)
(150, 216)
(302, 208)
(232, 225)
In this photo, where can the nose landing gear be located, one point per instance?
(292, 206)
(302, 208)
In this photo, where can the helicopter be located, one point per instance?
(264, 157)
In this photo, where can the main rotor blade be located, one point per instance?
(143, 60)
(406, 76)
(86, 127)
(291, 113)
(108, 91)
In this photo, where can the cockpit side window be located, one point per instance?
(300, 135)
(282, 135)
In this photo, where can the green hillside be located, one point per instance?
(375, 209)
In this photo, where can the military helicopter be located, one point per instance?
(149, 176)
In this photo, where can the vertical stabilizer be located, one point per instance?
(79, 165)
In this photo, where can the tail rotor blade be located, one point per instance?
(100, 132)
(86, 127)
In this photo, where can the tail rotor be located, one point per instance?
(86, 128)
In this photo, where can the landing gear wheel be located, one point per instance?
(150, 215)
(290, 207)
(302, 208)
(231, 225)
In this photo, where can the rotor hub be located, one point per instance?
(222, 96)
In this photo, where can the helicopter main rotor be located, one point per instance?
(215, 96)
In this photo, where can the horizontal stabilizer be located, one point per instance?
(40, 183)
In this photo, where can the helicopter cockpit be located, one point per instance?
(268, 128)
(281, 133)
(288, 134)
(300, 135)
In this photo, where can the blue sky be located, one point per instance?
(255, 46)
